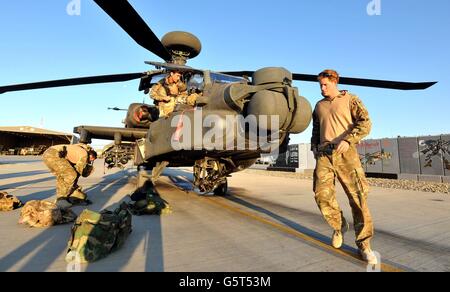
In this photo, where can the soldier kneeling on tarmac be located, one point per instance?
(68, 163)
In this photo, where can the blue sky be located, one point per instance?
(409, 41)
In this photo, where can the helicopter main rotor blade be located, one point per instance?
(400, 85)
(129, 20)
(354, 81)
(72, 81)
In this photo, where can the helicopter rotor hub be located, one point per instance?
(180, 57)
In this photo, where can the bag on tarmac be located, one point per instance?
(44, 214)
(96, 235)
(149, 203)
(9, 202)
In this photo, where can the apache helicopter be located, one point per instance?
(372, 158)
(435, 148)
(267, 92)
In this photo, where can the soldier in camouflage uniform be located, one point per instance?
(171, 91)
(340, 121)
(68, 163)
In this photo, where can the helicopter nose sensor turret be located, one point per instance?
(182, 46)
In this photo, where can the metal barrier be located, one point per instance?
(419, 158)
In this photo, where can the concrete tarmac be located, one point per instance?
(264, 224)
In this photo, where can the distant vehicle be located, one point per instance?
(33, 150)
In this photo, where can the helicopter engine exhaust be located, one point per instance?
(141, 115)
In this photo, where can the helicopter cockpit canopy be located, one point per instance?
(224, 78)
(195, 80)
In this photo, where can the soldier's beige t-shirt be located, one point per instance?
(76, 152)
(335, 118)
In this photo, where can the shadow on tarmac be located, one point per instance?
(22, 174)
(252, 201)
(51, 243)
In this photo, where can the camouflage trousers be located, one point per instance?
(66, 176)
(347, 168)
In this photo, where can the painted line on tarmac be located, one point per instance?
(298, 234)
(219, 201)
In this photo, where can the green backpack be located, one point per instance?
(96, 235)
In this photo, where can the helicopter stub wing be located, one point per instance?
(109, 133)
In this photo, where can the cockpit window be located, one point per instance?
(223, 78)
(195, 83)
(157, 78)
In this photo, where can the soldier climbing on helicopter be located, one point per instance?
(170, 92)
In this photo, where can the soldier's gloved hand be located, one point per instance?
(192, 99)
(88, 170)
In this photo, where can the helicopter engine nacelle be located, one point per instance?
(268, 103)
(302, 117)
(141, 115)
(293, 111)
(272, 75)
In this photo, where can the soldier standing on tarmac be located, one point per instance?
(340, 121)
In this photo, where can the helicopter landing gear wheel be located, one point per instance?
(210, 175)
(222, 189)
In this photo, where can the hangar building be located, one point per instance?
(28, 140)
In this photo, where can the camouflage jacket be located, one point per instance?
(77, 155)
(360, 123)
(163, 91)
